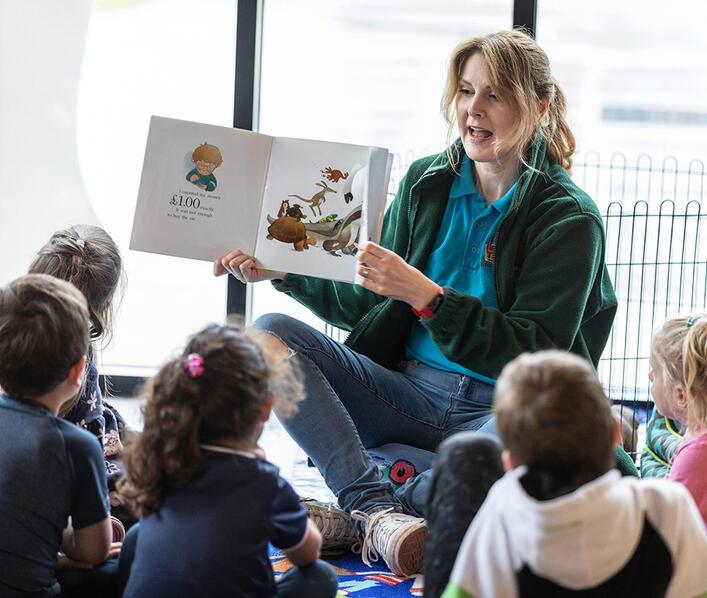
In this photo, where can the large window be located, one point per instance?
(634, 74)
(362, 72)
(636, 85)
(172, 58)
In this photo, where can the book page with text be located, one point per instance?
(201, 189)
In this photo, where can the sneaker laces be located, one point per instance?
(333, 524)
(378, 529)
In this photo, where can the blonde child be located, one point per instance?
(561, 519)
(87, 257)
(50, 470)
(679, 387)
(209, 502)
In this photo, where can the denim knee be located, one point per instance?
(462, 445)
(280, 325)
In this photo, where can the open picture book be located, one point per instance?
(297, 205)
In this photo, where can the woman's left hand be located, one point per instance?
(386, 273)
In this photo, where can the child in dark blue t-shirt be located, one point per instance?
(208, 500)
(53, 492)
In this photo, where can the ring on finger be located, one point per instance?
(365, 273)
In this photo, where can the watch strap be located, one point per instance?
(431, 308)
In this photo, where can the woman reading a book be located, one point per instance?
(489, 250)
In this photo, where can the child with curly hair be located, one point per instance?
(209, 501)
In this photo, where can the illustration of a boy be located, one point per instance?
(207, 158)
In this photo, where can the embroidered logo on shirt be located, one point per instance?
(489, 253)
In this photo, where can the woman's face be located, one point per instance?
(482, 118)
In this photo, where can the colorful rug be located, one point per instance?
(356, 579)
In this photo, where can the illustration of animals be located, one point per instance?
(287, 227)
(334, 175)
(338, 235)
(206, 158)
(295, 211)
(318, 198)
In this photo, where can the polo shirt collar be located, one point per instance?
(502, 204)
(463, 184)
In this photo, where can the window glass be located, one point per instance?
(636, 82)
(634, 74)
(171, 58)
(362, 72)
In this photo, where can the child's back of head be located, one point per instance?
(215, 390)
(44, 325)
(49, 468)
(565, 522)
(695, 374)
(553, 417)
(87, 257)
(204, 491)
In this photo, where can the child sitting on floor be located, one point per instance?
(561, 520)
(50, 470)
(663, 437)
(87, 257)
(209, 501)
(679, 387)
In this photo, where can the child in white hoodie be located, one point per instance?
(561, 520)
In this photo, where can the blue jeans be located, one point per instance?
(353, 404)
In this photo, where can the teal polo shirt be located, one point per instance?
(460, 259)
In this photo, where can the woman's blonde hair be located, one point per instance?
(695, 373)
(519, 73)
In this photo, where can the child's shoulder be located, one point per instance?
(75, 436)
(693, 444)
(228, 464)
(271, 472)
(662, 499)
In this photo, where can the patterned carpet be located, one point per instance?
(358, 580)
(355, 578)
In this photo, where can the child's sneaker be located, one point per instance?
(333, 523)
(400, 539)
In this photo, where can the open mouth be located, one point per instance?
(478, 134)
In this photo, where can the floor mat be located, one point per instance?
(356, 579)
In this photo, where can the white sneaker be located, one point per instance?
(333, 523)
(400, 539)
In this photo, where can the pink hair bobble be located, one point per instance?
(194, 365)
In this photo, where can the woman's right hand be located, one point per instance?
(243, 267)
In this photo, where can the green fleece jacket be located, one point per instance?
(552, 285)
